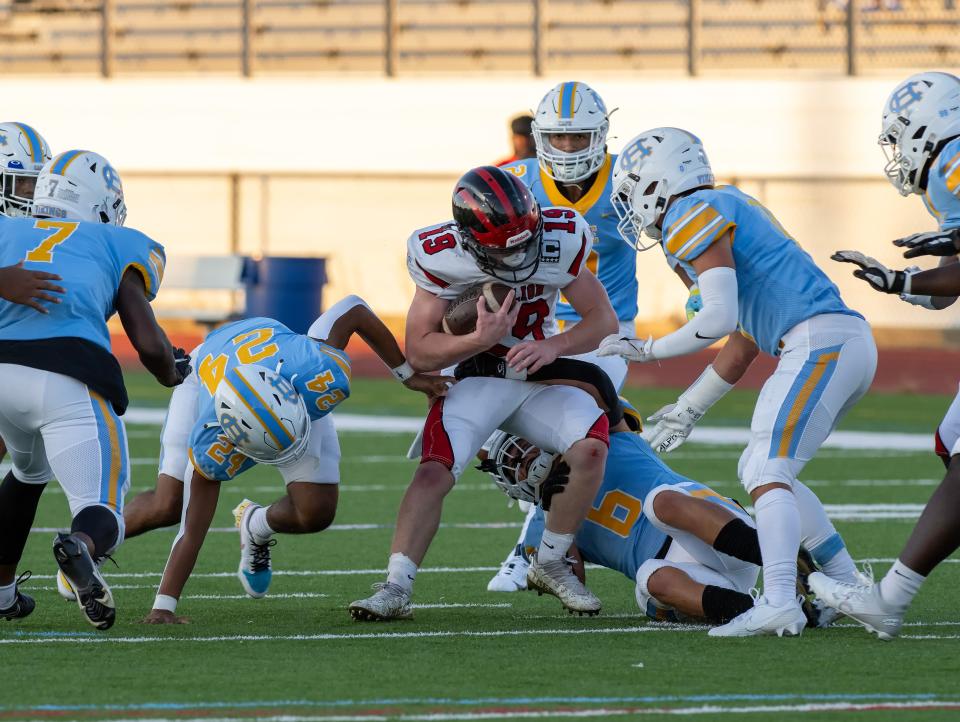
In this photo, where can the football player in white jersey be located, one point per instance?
(763, 293)
(499, 233)
(572, 169)
(921, 136)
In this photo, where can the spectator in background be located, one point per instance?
(522, 139)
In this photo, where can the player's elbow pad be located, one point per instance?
(718, 292)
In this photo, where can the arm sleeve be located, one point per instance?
(698, 224)
(321, 328)
(717, 318)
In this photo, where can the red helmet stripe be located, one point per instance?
(499, 192)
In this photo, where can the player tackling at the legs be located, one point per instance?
(499, 233)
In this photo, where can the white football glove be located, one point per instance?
(674, 422)
(632, 349)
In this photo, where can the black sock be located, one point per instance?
(98, 523)
(721, 605)
(739, 540)
(18, 506)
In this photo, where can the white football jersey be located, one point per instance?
(438, 263)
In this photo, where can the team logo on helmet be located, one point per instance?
(906, 95)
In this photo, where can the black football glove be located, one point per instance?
(873, 272)
(554, 484)
(934, 243)
(488, 366)
(181, 362)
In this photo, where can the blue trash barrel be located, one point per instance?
(287, 289)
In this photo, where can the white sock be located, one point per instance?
(900, 585)
(820, 537)
(401, 571)
(553, 546)
(258, 526)
(8, 595)
(778, 529)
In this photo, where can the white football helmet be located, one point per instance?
(571, 108)
(23, 151)
(517, 467)
(80, 185)
(651, 169)
(262, 414)
(921, 112)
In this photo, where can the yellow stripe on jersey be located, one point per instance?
(952, 179)
(159, 265)
(714, 231)
(113, 434)
(339, 359)
(800, 401)
(703, 217)
(147, 278)
(589, 198)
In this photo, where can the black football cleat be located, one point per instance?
(93, 594)
(23, 604)
(805, 567)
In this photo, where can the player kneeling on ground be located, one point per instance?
(499, 234)
(63, 390)
(262, 394)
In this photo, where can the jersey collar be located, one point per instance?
(589, 198)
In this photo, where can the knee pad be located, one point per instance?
(102, 526)
(650, 606)
(648, 504)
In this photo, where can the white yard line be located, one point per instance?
(716, 435)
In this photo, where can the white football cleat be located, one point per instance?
(557, 578)
(764, 618)
(255, 572)
(860, 602)
(512, 576)
(389, 601)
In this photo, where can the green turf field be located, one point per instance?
(469, 654)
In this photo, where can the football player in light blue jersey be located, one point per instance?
(573, 169)
(921, 137)
(63, 390)
(699, 538)
(262, 394)
(760, 288)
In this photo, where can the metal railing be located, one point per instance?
(392, 36)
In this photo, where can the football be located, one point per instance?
(461, 316)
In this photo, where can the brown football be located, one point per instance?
(461, 316)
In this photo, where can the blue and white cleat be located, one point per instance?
(255, 572)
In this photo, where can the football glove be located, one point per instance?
(934, 243)
(181, 362)
(673, 424)
(873, 272)
(694, 302)
(489, 366)
(632, 349)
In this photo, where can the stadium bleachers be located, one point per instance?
(67, 36)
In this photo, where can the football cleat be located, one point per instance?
(389, 601)
(764, 618)
(860, 602)
(255, 572)
(557, 578)
(92, 593)
(512, 576)
(64, 588)
(23, 604)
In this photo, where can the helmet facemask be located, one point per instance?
(518, 467)
(638, 210)
(17, 192)
(515, 264)
(575, 166)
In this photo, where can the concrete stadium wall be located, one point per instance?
(390, 149)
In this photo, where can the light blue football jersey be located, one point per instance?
(779, 285)
(942, 197)
(91, 258)
(611, 259)
(615, 533)
(320, 374)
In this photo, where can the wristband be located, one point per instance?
(403, 372)
(165, 603)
